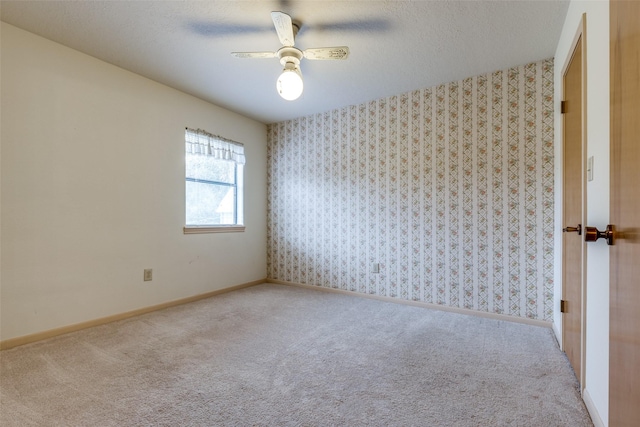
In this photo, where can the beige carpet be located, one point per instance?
(283, 356)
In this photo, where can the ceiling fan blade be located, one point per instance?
(254, 54)
(322, 53)
(284, 27)
(217, 29)
(357, 25)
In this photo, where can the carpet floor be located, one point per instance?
(274, 355)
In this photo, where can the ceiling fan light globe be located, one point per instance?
(289, 84)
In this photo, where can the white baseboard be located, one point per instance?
(593, 411)
(39, 336)
(467, 311)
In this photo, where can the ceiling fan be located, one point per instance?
(289, 84)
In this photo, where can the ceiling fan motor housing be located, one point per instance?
(290, 54)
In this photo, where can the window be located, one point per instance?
(213, 183)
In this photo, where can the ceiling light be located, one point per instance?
(289, 84)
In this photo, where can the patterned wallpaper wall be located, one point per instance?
(449, 189)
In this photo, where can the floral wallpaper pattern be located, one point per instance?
(449, 189)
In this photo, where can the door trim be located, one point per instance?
(581, 35)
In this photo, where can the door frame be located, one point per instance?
(581, 35)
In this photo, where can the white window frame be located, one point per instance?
(199, 142)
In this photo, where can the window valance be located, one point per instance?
(201, 142)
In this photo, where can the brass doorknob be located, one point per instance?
(591, 234)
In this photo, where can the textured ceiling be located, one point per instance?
(396, 46)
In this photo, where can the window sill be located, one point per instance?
(193, 229)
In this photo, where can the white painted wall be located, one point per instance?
(92, 175)
(597, 309)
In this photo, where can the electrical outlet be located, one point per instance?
(376, 267)
(148, 274)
